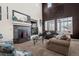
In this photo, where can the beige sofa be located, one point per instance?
(59, 46)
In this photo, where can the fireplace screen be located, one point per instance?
(21, 33)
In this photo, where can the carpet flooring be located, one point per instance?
(39, 48)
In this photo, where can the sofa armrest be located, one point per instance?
(65, 43)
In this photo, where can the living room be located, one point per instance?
(50, 30)
(60, 31)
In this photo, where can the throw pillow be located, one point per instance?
(64, 37)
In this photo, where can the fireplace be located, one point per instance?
(21, 34)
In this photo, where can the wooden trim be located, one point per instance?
(7, 13)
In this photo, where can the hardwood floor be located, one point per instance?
(40, 50)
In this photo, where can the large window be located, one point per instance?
(50, 25)
(64, 25)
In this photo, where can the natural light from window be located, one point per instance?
(64, 25)
(50, 25)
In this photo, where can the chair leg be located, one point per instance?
(42, 40)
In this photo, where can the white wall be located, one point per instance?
(6, 27)
(32, 9)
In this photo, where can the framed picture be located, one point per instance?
(18, 16)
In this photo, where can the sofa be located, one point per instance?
(59, 46)
(49, 34)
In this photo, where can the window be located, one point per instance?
(49, 5)
(50, 25)
(0, 14)
(64, 25)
